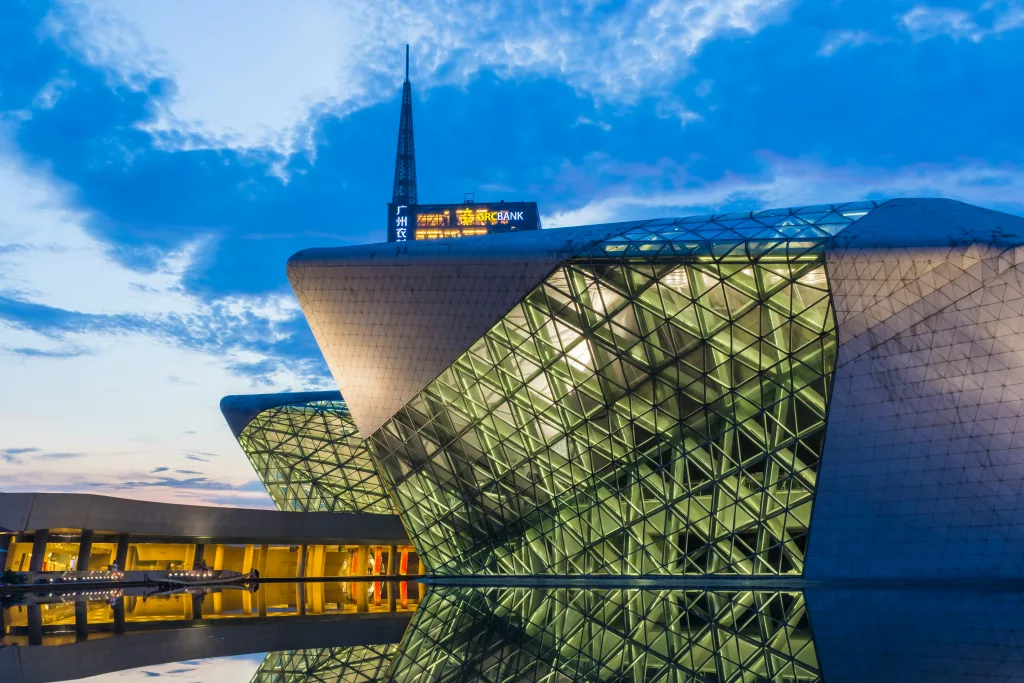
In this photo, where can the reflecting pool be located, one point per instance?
(327, 632)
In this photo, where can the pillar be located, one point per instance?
(359, 559)
(261, 601)
(35, 624)
(119, 610)
(300, 570)
(315, 591)
(247, 559)
(197, 606)
(5, 546)
(84, 550)
(121, 558)
(218, 556)
(199, 555)
(39, 550)
(392, 560)
(300, 598)
(392, 596)
(318, 563)
(81, 620)
(262, 566)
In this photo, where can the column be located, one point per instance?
(119, 610)
(84, 550)
(247, 559)
(300, 598)
(5, 546)
(392, 560)
(199, 555)
(39, 552)
(121, 558)
(261, 601)
(262, 566)
(218, 556)
(81, 620)
(300, 570)
(318, 563)
(35, 624)
(197, 606)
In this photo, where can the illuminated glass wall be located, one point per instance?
(573, 634)
(311, 458)
(326, 665)
(656, 406)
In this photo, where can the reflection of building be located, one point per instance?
(652, 397)
(307, 451)
(408, 220)
(570, 634)
(64, 532)
(326, 665)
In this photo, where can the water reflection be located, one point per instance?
(608, 635)
(55, 619)
(327, 665)
(369, 632)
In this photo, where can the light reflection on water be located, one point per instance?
(364, 633)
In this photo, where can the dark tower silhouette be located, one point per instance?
(405, 161)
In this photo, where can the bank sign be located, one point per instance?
(400, 223)
(433, 221)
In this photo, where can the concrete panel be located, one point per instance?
(235, 525)
(390, 317)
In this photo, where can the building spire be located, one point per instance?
(404, 192)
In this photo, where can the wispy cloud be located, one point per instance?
(635, 191)
(993, 18)
(837, 40)
(327, 57)
(129, 353)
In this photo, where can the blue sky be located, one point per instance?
(160, 161)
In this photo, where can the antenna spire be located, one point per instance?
(404, 191)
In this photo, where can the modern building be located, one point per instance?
(57, 532)
(826, 391)
(307, 451)
(410, 220)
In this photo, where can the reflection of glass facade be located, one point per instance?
(655, 406)
(310, 456)
(326, 665)
(570, 634)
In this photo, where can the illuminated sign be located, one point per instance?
(486, 216)
(438, 221)
(401, 224)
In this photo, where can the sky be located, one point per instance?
(160, 161)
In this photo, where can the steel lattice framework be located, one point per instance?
(656, 406)
(404, 191)
(311, 458)
(326, 665)
(573, 634)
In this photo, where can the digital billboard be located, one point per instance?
(438, 221)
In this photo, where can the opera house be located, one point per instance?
(826, 391)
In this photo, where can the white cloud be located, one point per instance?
(992, 18)
(131, 397)
(924, 22)
(837, 40)
(249, 73)
(784, 182)
(587, 121)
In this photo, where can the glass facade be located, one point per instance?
(326, 665)
(655, 407)
(574, 634)
(311, 458)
